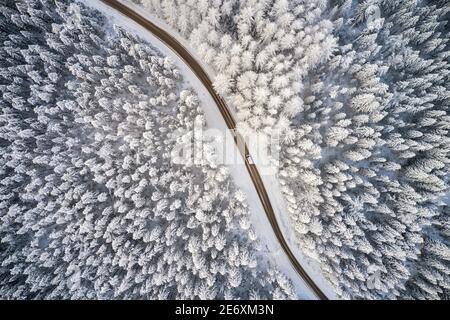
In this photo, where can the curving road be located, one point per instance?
(179, 49)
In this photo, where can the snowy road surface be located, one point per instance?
(252, 170)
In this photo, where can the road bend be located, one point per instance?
(184, 54)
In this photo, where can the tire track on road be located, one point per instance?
(196, 68)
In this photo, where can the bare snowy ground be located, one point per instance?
(269, 244)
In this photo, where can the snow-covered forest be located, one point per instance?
(360, 91)
(91, 206)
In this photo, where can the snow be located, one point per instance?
(270, 181)
(163, 25)
(311, 266)
(270, 247)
